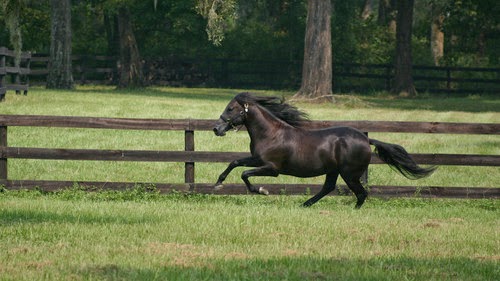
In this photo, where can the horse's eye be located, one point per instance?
(230, 109)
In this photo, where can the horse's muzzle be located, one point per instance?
(220, 128)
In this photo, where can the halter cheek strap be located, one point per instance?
(230, 120)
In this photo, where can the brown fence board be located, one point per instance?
(207, 125)
(274, 189)
(210, 156)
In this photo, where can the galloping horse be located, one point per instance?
(280, 143)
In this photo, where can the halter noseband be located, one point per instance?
(230, 121)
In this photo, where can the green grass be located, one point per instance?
(144, 236)
(136, 235)
(208, 104)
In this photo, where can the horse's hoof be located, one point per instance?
(263, 191)
(218, 186)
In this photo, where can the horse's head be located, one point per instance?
(233, 116)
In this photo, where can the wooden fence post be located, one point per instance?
(3, 161)
(189, 166)
(388, 77)
(3, 90)
(448, 80)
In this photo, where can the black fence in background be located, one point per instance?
(276, 74)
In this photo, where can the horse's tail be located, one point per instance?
(398, 158)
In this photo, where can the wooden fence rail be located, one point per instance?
(189, 156)
(18, 74)
(279, 74)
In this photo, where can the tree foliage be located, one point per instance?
(261, 29)
(219, 15)
(12, 11)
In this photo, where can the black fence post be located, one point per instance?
(3, 161)
(189, 166)
(448, 80)
(388, 77)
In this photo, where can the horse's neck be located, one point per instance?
(261, 124)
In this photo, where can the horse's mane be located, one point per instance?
(277, 107)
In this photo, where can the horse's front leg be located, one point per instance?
(267, 170)
(247, 162)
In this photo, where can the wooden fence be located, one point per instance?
(18, 74)
(279, 74)
(189, 156)
(86, 69)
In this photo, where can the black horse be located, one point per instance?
(282, 144)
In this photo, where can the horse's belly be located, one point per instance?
(306, 169)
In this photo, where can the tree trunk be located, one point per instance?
(437, 37)
(317, 65)
(367, 9)
(60, 69)
(387, 14)
(130, 64)
(403, 80)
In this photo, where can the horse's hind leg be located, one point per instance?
(329, 186)
(353, 182)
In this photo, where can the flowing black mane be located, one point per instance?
(276, 106)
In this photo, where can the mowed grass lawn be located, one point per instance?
(138, 235)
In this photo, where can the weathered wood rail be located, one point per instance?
(19, 74)
(189, 156)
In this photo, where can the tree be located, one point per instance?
(437, 34)
(12, 10)
(219, 14)
(387, 14)
(130, 63)
(403, 79)
(367, 9)
(60, 68)
(317, 65)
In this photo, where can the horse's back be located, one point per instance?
(342, 131)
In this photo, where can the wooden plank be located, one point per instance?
(211, 156)
(6, 52)
(274, 189)
(207, 125)
(104, 123)
(17, 87)
(414, 127)
(3, 160)
(189, 166)
(119, 155)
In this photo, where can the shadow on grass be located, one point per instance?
(486, 103)
(14, 217)
(471, 103)
(196, 94)
(307, 268)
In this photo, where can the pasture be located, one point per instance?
(141, 235)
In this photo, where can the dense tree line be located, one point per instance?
(442, 32)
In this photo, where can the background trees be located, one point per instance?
(60, 69)
(445, 32)
(317, 63)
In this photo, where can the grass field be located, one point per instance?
(138, 235)
(144, 236)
